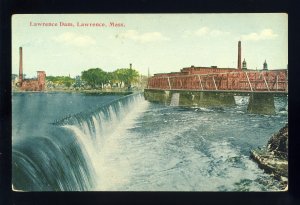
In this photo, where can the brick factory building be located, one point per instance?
(37, 84)
(34, 84)
(241, 66)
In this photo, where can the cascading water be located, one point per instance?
(99, 131)
(69, 157)
(50, 164)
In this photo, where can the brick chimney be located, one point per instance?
(239, 65)
(20, 66)
(130, 66)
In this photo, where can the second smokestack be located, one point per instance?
(239, 65)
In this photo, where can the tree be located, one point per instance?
(119, 74)
(127, 76)
(94, 77)
(77, 83)
(132, 76)
(61, 80)
(68, 84)
(111, 78)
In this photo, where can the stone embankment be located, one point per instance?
(274, 157)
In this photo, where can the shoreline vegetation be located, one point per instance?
(91, 80)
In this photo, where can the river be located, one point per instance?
(94, 142)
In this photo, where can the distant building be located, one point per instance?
(37, 84)
(34, 84)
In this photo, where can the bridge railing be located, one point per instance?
(275, 80)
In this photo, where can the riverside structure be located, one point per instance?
(213, 86)
(37, 84)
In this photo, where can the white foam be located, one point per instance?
(175, 99)
(111, 168)
(241, 100)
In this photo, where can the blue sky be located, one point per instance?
(158, 42)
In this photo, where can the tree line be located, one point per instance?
(61, 80)
(97, 77)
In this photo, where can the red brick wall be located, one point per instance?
(35, 85)
(30, 85)
(41, 75)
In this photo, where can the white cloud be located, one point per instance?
(143, 37)
(265, 34)
(33, 42)
(202, 31)
(70, 38)
(206, 31)
(218, 33)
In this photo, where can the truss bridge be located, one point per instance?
(218, 88)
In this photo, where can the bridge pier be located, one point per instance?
(261, 103)
(205, 99)
(159, 96)
(190, 98)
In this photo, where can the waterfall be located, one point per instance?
(51, 163)
(71, 157)
(175, 99)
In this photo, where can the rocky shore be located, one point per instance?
(274, 157)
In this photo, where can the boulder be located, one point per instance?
(274, 157)
(278, 144)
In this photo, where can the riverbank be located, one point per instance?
(102, 92)
(274, 157)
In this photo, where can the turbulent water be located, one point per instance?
(73, 142)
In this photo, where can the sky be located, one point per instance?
(159, 43)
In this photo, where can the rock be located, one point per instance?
(274, 158)
(279, 143)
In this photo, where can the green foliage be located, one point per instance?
(61, 80)
(112, 78)
(95, 77)
(127, 76)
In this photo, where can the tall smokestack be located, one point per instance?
(239, 65)
(21, 65)
(130, 66)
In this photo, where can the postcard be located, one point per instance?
(150, 102)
